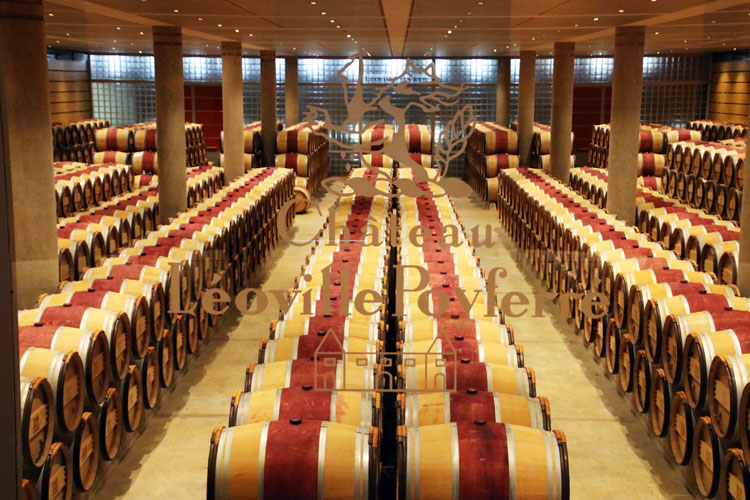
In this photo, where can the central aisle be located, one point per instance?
(611, 457)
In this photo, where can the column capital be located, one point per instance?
(231, 49)
(167, 35)
(266, 55)
(630, 35)
(565, 49)
(526, 54)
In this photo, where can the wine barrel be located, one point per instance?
(418, 138)
(121, 267)
(712, 253)
(55, 482)
(84, 453)
(131, 389)
(65, 267)
(641, 294)
(152, 292)
(165, 354)
(416, 410)
(93, 240)
(660, 400)
(727, 377)
(115, 326)
(306, 346)
(90, 345)
(180, 341)
(116, 157)
(110, 424)
(343, 407)
(734, 204)
(487, 331)
(467, 374)
(734, 476)
(474, 350)
(642, 380)
(651, 141)
(300, 163)
(626, 363)
(144, 139)
(624, 282)
(651, 164)
(303, 200)
(334, 461)
(149, 368)
(728, 268)
(482, 460)
(657, 311)
(320, 374)
(37, 420)
(65, 374)
(681, 429)
(700, 350)
(494, 163)
(119, 139)
(145, 162)
(708, 450)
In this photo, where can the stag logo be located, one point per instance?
(398, 98)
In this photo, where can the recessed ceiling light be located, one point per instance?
(200, 19)
(480, 3)
(176, 10)
(118, 28)
(507, 46)
(57, 41)
(333, 20)
(533, 38)
(313, 3)
(348, 36)
(250, 34)
(51, 14)
(236, 31)
(141, 32)
(219, 25)
(713, 22)
(67, 34)
(494, 50)
(114, 48)
(140, 52)
(114, 41)
(621, 11)
(656, 32)
(658, 51)
(294, 48)
(735, 48)
(576, 25)
(596, 19)
(684, 41)
(450, 31)
(322, 13)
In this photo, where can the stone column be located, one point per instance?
(562, 110)
(526, 90)
(28, 149)
(268, 105)
(291, 88)
(627, 80)
(28, 233)
(170, 120)
(232, 109)
(502, 113)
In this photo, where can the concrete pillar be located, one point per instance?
(502, 113)
(743, 259)
(291, 88)
(170, 120)
(232, 109)
(28, 144)
(28, 236)
(526, 90)
(627, 80)
(268, 105)
(562, 110)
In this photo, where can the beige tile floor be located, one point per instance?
(611, 457)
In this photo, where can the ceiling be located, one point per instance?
(384, 28)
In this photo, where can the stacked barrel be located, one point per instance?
(541, 146)
(490, 149)
(706, 175)
(80, 185)
(252, 146)
(312, 386)
(74, 141)
(470, 419)
(664, 329)
(712, 130)
(654, 144)
(304, 149)
(419, 144)
(136, 145)
(95, 355)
